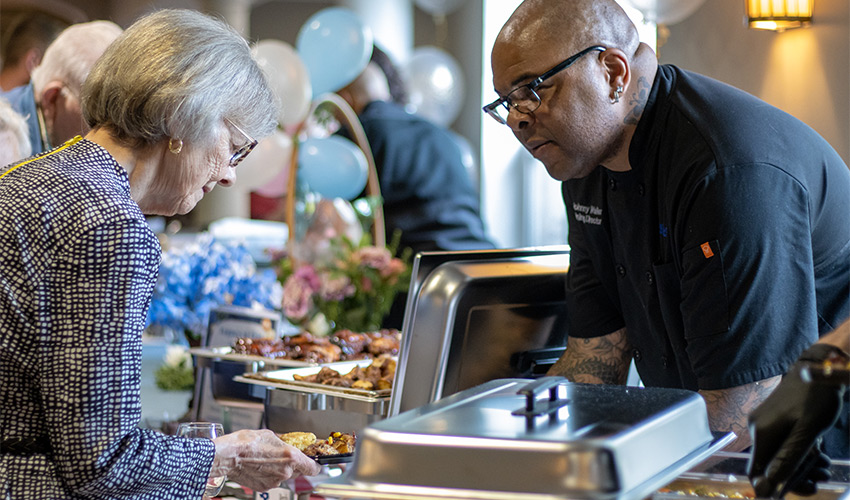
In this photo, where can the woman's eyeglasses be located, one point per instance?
(244, 150)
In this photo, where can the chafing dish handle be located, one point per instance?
(534, 409)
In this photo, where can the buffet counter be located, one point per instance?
(467, 417)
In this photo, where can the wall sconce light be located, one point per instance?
(779, 15)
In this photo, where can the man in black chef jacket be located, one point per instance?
(709, 231)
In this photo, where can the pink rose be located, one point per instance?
(393, 269)
(336, 288)
(297, 298)
(375, 257)
(309, 278)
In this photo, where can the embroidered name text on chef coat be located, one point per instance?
(588, 214)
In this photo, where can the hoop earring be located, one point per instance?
(175, 145)
(616, 98)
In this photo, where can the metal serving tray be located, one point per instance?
(590, 442)
(258, 362)
(725, 475)
(285, 379)
(290, 405)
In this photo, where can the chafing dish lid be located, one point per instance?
(590, 412)
(590, 441)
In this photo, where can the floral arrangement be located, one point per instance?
(176, 373)
(206, 274)
(352, 290)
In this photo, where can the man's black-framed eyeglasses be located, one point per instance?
(524, 98)
(243, 150)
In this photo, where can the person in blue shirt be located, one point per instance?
(51, 100)
(24, 38)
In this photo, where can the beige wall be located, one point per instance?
(805, 72)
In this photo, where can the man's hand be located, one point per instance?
(786, 428)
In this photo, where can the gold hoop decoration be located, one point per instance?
(175, 145)
(348, 119)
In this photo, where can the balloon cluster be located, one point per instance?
(332, 48)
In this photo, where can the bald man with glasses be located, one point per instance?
(710, 242)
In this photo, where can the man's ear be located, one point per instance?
(48, 100)
(617, 67)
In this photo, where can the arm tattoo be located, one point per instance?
(728, 408)
(638, 101)
(601, 360)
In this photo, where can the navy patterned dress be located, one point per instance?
(77, 268)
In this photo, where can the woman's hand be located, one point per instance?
(259, 459)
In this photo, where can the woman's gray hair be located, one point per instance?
(177, 74)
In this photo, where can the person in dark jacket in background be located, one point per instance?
(427, 191)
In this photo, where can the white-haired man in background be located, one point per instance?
(58, 79)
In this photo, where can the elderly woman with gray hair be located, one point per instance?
(174, 104)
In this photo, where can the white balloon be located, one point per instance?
(435, 85)
(664, 11)
(438, 7)
(266, 161)
(288, 78)
(276, 187)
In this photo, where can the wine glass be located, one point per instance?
(207, 430)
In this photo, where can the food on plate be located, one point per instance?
(705, 492)
(366, 345)
(299, 440)
(338, 443)
(341, 346)
(384, 342)
(377, 376)
(301, 347)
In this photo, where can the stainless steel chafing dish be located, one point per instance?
(724, 475)
(547, 439)
(465, 310)
(291, 405)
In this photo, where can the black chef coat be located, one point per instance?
(725, 251)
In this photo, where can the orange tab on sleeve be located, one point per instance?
(706, 250)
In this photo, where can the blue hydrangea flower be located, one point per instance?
(206, 274)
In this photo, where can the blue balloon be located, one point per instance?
(334, 167)
(335, 46)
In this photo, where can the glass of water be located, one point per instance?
(208, 430)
